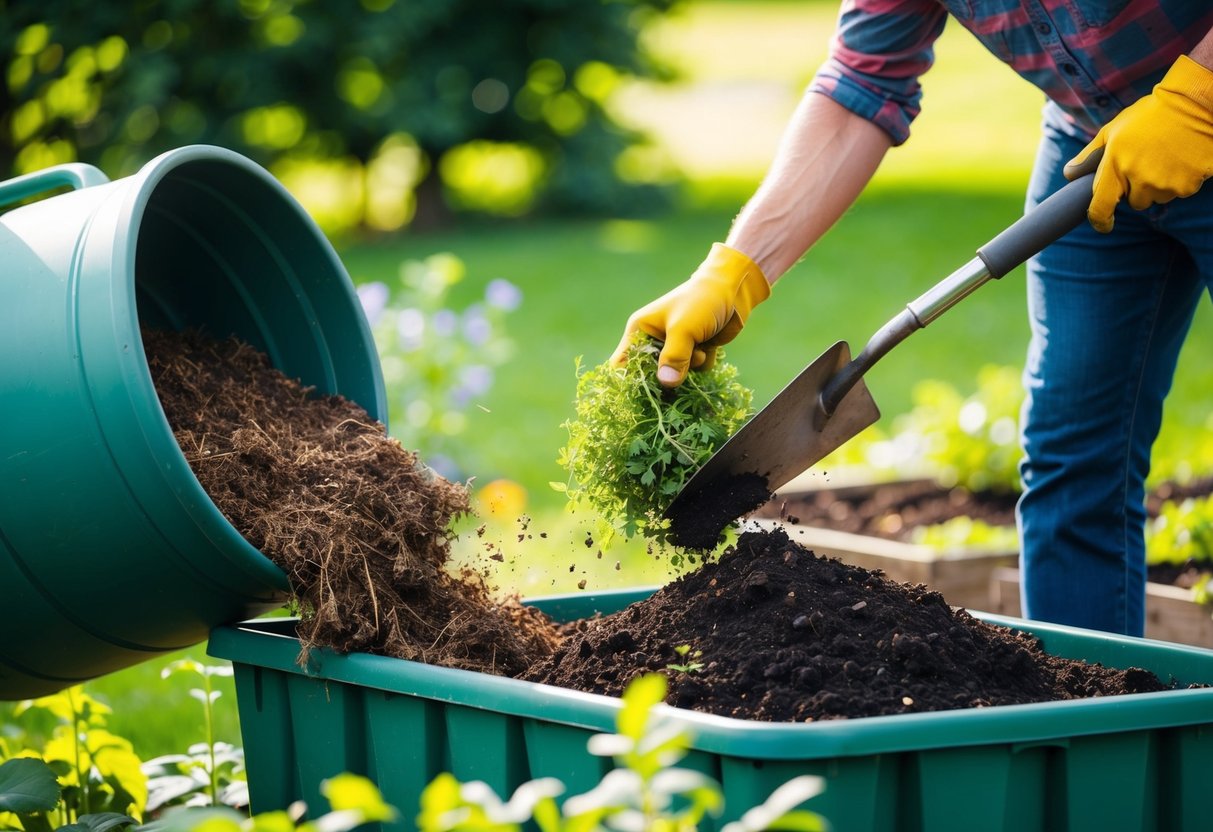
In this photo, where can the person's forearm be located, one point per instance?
(825, 158)
(1202, 53)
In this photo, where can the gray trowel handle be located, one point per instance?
(1043, 225)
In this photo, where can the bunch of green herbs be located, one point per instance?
(633, 444)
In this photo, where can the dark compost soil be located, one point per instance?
(698, 520)
(357, 522)
(771, 631)
(782, 634)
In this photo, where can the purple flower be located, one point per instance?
(373, 297)
(445, 323)
(410, 324)
(477, 329)
(476, 379)
(503, 295)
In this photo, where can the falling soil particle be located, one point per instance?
(697, 521)
(358, 524)
(786, 635)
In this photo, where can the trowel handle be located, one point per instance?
(1044, 224)
(75, 176)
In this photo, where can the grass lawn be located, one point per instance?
(953, 186)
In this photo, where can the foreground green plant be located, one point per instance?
(210, 773)
(95, 772)
(633, 444)
(645, 792)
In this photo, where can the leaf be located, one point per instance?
(27, 785)
(104, 821)
(562, 487)
(353, 791)
(639, 698)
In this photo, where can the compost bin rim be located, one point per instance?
(1043, 723)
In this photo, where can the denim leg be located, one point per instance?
(1108, 316)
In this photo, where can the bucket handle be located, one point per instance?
(74, 175)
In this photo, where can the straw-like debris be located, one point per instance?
(358, 523)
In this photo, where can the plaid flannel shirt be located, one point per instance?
(1092, 58)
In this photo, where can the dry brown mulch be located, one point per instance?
(358, 523)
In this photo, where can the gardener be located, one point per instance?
(1109, 304)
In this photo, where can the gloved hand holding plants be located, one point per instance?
(633, 443)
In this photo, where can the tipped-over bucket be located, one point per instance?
(111, 553)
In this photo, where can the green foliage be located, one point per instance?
(438, 360)
(210, 773)
(633, 444)
(27, 785)
(354, 800)
(30, 791)
(1182, 533)
(968, 533)
(646, 791)
(971, 441)
(395, 83)
(690, 659)
(98, 772)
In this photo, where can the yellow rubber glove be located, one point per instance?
(1156, 149)
(695, 317)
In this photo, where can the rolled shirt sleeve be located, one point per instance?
(879, 51)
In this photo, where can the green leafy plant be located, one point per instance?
(353, 801)
(98, 774)
(33, 800)
(1182, 534)
(633, 444)
(646, 791)
(970, 441)
(210, 773)
(968, 533)
(690, 659)
(439, 358)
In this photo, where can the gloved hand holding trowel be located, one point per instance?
(1108, 311)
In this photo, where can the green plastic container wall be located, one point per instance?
(1140, 762)
(110, 551)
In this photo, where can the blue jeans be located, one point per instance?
(1108, 315)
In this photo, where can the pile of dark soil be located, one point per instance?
(357, 522)
(774, 632)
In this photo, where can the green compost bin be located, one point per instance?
(110, 550)
(1139, 762)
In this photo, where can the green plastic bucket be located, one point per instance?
(110, 551)
(1136, 762)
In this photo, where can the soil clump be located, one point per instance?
(773, 632)
(358, 523)
(698, 521)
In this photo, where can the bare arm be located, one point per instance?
(1202, 53)
(825, 158)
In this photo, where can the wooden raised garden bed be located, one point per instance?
(1171, 614)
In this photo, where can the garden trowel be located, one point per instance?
(828, 403)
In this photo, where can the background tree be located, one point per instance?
(501, 100)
